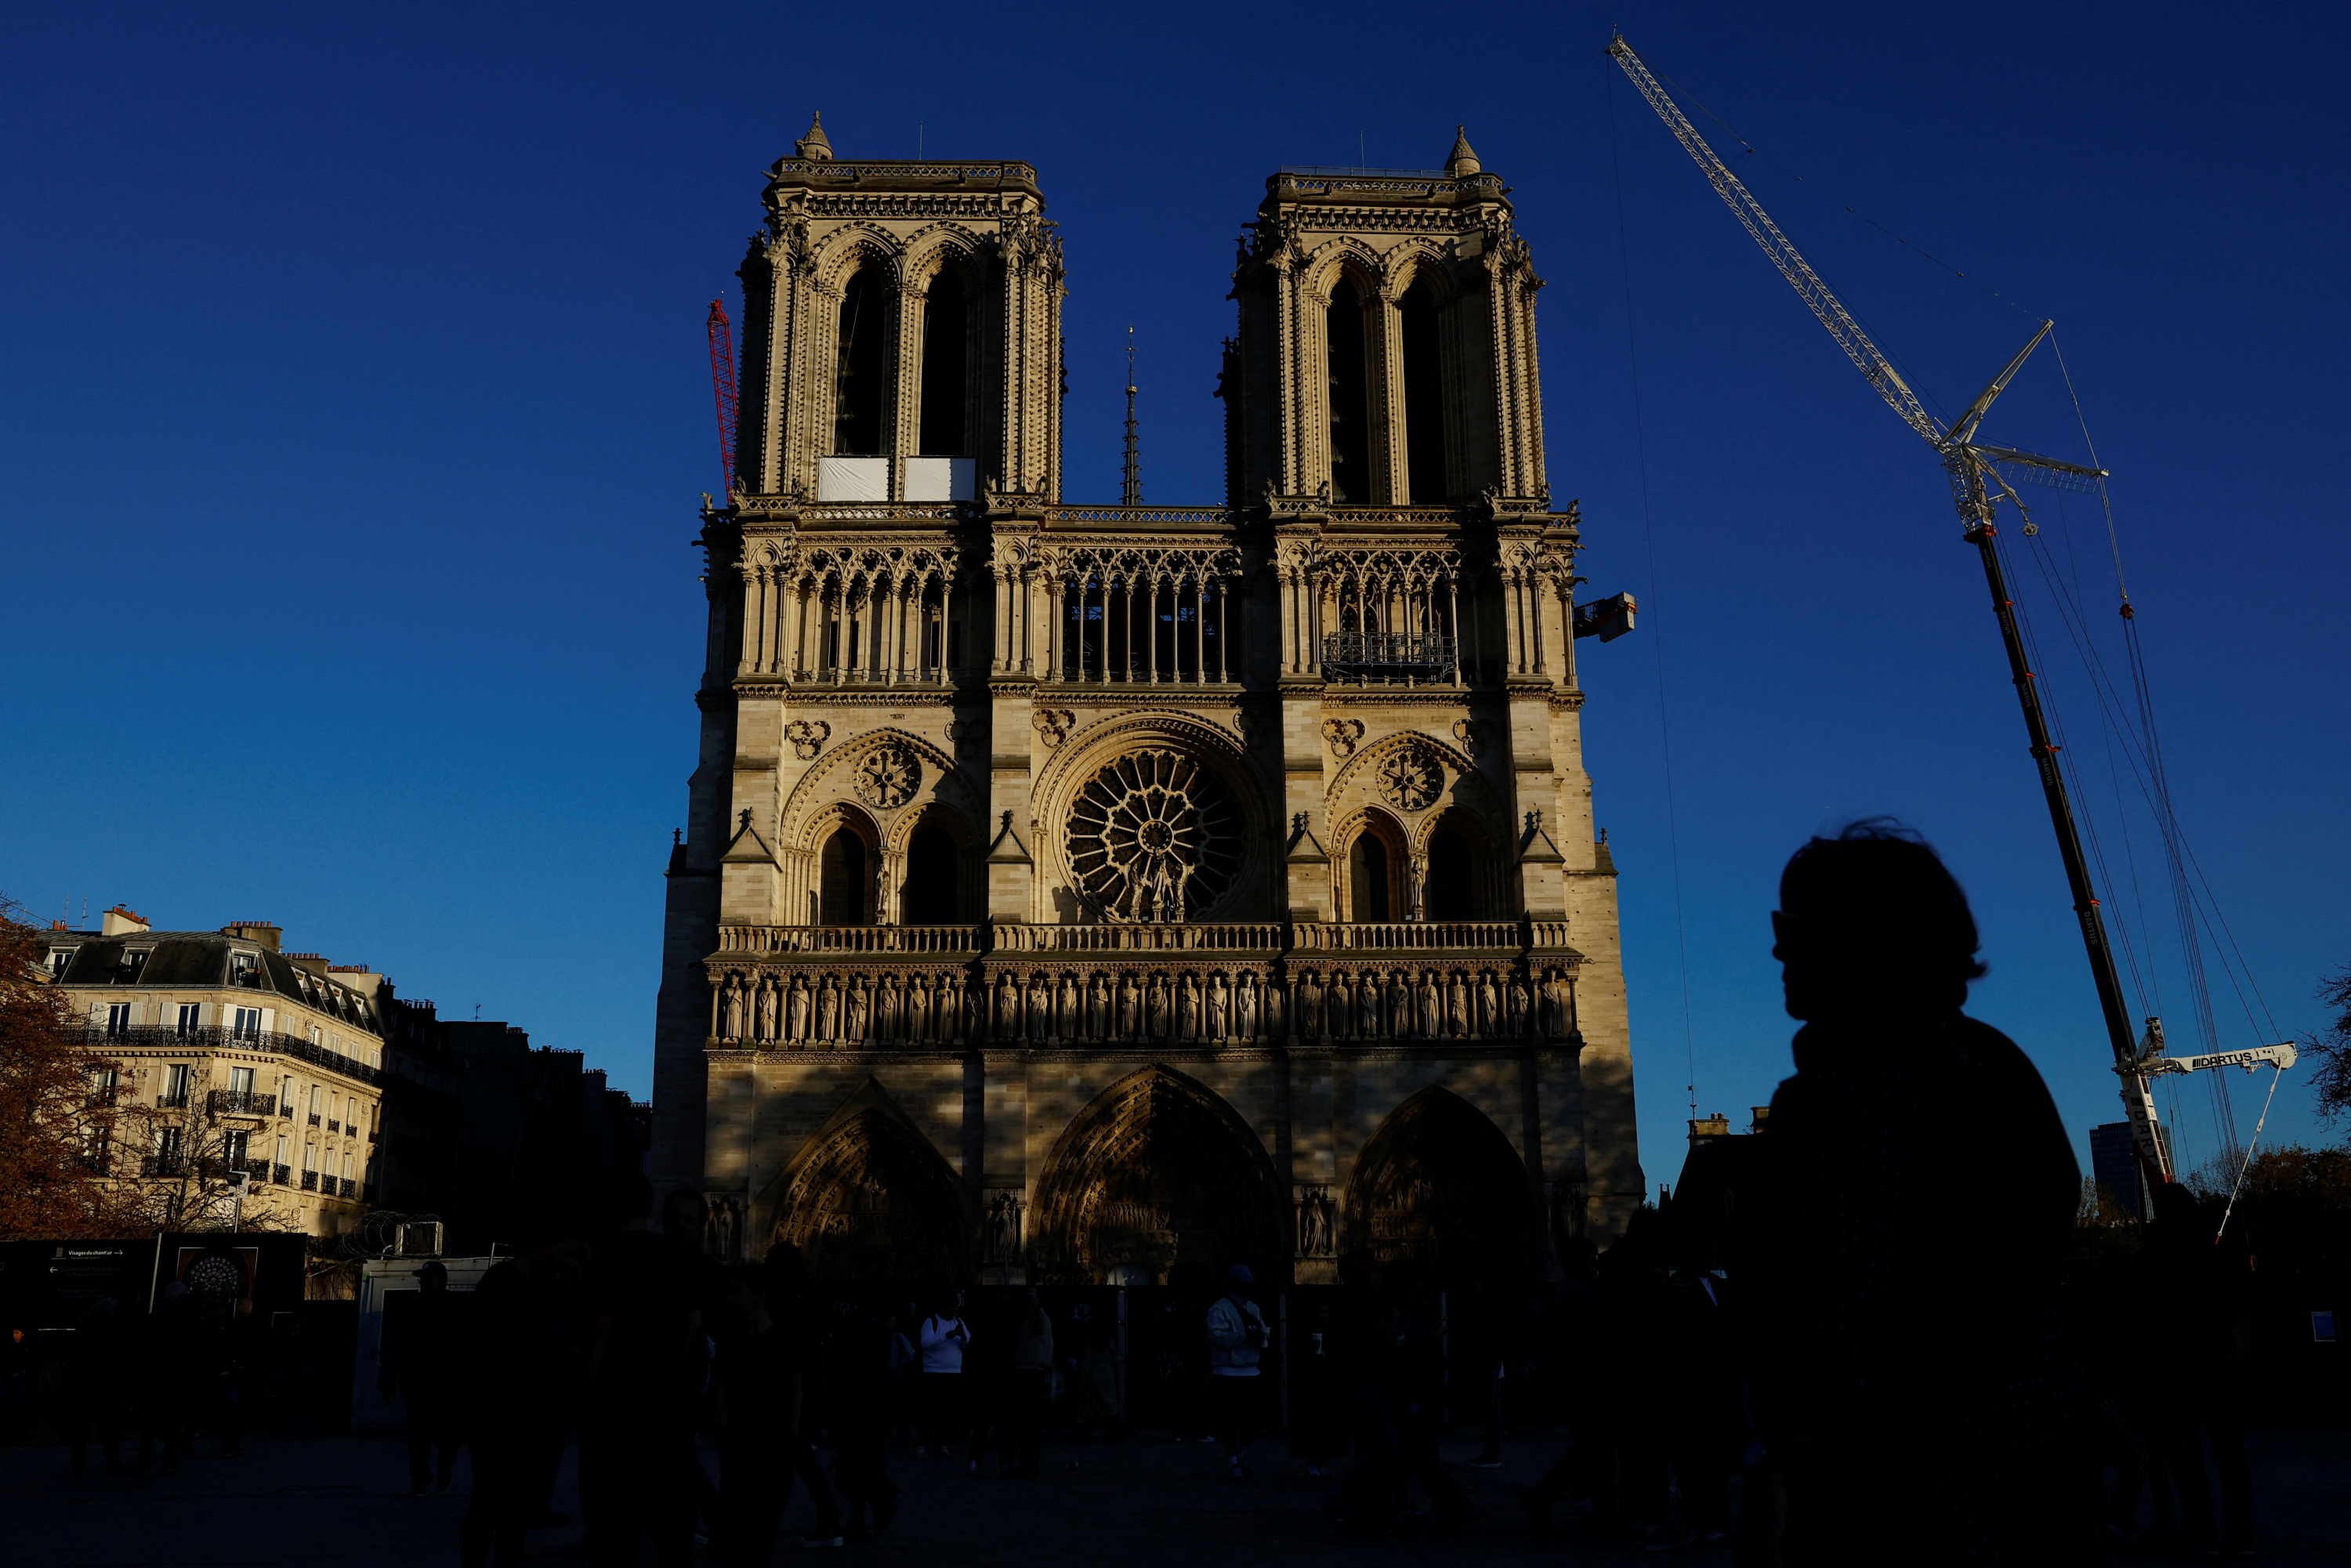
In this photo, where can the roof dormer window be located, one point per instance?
(59, 959)
(127, 968)
(245, 968)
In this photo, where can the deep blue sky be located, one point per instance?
(355, 410)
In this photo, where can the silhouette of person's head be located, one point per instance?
(1869, 922)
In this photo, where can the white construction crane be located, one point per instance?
(1979, 474)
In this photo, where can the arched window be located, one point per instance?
(843, 881)
(1367, 870)
(1424, 396)
(1351, 430)
(945, 352)
(860, 375)
(929, 895)
(1450, 895)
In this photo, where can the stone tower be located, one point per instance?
(1068, 895)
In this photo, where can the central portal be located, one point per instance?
(1155, 1172)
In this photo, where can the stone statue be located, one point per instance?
(1489, 1005)
(1067, 1023)
(1008, 1009)
(1428, 999)
(1245, 1008)
(1517, 1008)
(1130, 1007)
(1399, 1005)
(918, 1008)
(1217, 1006)
(767, 1022)
(1097, 1008)
(1367, 1007)
(730, 1022)
(1187, 1008)
(1457, 1004)
(1310, 1007)
(856, 1011)
(886, 1010)
(954, 1023)
(1155, 1007)
(827, 1011)
(1041, 1008)
(796, 1009)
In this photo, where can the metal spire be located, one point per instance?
(1131, 494)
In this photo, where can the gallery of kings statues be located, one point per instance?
(1071, 892)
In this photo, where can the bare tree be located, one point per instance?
(2330, 1048)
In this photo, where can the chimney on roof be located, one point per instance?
(314, 962)
(120, 922)
(259, 931)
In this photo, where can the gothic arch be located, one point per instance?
(926, 251)
(1347, 255)
(1361, 771)
(849, 250)
(869, 1198)
(1078, 759)
(1157, 1170)
(1440, 1185)
(829, 782)
(1419, 263)
(1395, 842)
(970, 874)
(1484, 844)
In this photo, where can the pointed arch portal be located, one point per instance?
(1157, 1172)
(871, 1200)
(1440, 1185)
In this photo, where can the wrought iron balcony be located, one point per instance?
(242, 1103)
(162, 1165)
(310, 1181)
(282, 1176)
(350, 1187)
(1387, 656)
(168, 1037)
(171, 1101)
(314, 1118)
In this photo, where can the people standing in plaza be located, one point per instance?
(1237, 1339)
(1032, 1382)
(868, 1358)
(636, 1422)
(1913, 1382)
(793, 1299)
(1417, 1395)
(1363, 1332)
(943, 1396)
(510, 1391)
(1318, 1428)
(423, 1348)
(165, 1400)
(95, 1386)
(759, 1410)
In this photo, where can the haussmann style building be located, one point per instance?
(1073, 893)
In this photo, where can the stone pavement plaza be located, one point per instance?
(302, 1500)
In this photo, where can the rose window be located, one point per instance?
(1411, 778)
(888, 777)
(1154, 836)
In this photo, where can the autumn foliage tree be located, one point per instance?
(49, 1109)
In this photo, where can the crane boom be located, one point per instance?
(1977, 487)
(1875, 367)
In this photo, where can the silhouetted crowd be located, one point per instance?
(1852, 1338)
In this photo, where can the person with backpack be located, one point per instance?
(1237, 1337)
(945, 1398)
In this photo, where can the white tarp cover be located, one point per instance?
(852, 479)
(940, 479)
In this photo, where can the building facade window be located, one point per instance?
(117, 1020)
(240, 1082)
(60, 957)
(247, 1024)
(191, 1017)
(175, 1086)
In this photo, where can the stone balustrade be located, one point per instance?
(1407, 936)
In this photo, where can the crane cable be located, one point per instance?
(1649, 536)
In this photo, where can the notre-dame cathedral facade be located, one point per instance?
(1073, 892)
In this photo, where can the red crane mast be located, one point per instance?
(722, 386)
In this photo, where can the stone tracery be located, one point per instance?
(1151, 836)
